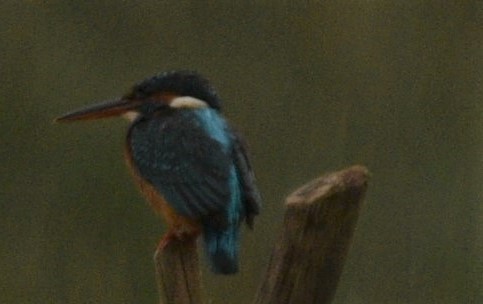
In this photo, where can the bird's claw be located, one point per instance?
(175, 236)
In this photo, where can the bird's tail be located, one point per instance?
(221, 247)
(222, 241)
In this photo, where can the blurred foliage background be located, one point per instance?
(394, 85)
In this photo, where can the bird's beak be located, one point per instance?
(101, 110)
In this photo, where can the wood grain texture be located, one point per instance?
(319, 222)
(178, 273)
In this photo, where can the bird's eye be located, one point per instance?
(163, 97)
(150, 106)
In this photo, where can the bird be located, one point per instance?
(190, 163)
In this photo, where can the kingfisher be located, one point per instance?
(191, 165)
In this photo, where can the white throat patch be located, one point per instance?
(131, 115)
(187, 102)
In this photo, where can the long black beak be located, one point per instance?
(101, 110)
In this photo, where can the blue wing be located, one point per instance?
(251, 195)
(190, 168)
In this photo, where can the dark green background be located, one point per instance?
(394, 85)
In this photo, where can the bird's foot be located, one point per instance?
(167, 238)
(173, 235)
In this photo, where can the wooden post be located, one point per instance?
(306, 262)
(178, 272)
(320, 219)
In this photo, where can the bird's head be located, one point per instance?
(176, 89)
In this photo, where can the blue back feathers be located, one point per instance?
(194, 159)
(222, 244)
